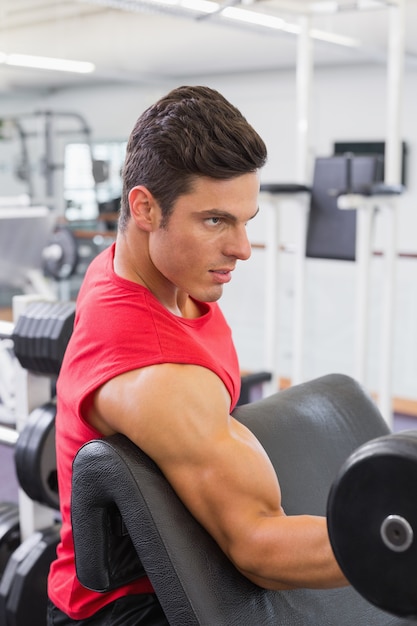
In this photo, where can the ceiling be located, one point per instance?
(129, 41)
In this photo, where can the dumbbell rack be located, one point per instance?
(33, 391)
(41, 331)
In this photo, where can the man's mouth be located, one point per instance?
(222, 275)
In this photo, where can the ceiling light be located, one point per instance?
(171, 6)
(206, 6)
(333, 6)
(273, 22)
(237, 14)
(46, 63)
(250, 17)
(340, 40)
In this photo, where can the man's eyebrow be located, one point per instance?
(225, 214)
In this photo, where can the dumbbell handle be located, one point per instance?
(8, 436)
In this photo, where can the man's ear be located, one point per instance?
(143, 208)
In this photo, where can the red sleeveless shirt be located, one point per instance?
(120, 326)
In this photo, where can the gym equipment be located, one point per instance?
(29, 533)
(252, 386)
(60, 255)
(9, 532)
(337, 224)
(323, 231)
(41, 335)
(373, 147)
(286, 193)
(38, 340)
(366, 201)
(23, 585)
(308, 431)
(35, 456)
(24, 565)
(7, 394)
(373, 522)
(331, 233)
(40, 135)
(24, 233)
(33, 251)
(396, 19)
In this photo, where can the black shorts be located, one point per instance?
(136, 610)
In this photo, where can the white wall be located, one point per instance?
(348, 103)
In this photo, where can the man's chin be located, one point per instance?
(211, 295)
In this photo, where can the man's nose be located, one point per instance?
(239, 245)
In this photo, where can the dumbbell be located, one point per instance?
(35, 463)
(39, 337)
(35, 455)
(23, 597)
(41, 334)
(9, 532)
(24, 566)
(372, 522)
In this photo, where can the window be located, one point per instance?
(82, 194)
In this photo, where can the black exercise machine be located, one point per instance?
(308, 431)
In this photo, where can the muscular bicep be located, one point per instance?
(179, 416)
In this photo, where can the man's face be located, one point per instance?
(206, 235)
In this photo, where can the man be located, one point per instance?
(152, 357)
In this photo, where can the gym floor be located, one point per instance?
(9, 483)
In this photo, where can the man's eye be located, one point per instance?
(214, 220)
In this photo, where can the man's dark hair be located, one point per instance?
(190, 132)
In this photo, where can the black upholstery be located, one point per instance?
(331, 232)
(308, 431)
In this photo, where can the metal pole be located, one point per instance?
(272, 290)
(304, 72)
(395, 71)
(303, 84)
(365, 217)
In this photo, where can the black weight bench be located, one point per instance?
(308, 431)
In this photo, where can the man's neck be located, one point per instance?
(138, 269)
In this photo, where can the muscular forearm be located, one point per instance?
(288, 552)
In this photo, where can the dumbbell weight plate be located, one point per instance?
(60, 256)
(35, 456)
(9, 532)
(372, 522)
(23, 588)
